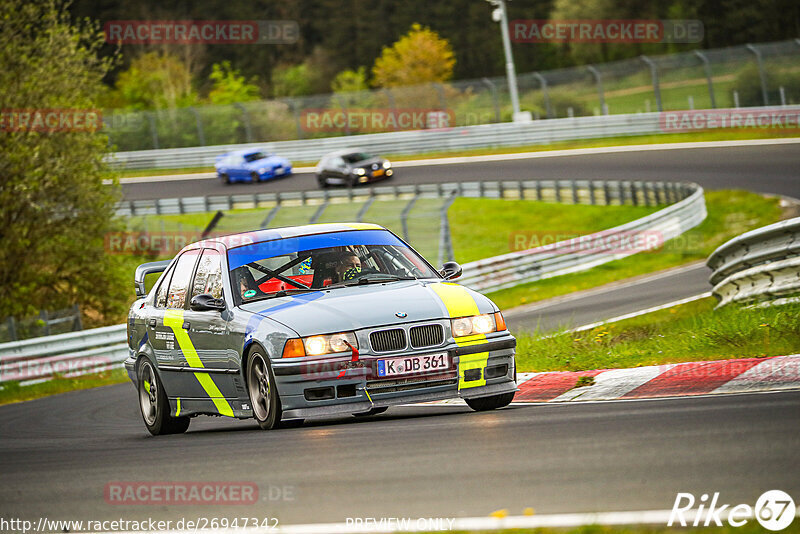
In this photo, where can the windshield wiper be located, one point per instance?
(374, 278)
(281, 293)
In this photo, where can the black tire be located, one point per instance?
(153, 403)
(254, 177)
(374, 411)
(225, 178)
(263, 394)
(323, 182)
(483, 404)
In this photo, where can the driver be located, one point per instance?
(348, 266)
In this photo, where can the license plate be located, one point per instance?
(379, 172)
(424, 363)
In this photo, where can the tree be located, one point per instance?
(291, 81)
(420, 56)
(350, 81)
(54, 208)
(156, 80)
(230, 86)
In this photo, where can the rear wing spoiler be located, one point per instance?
(143, 270)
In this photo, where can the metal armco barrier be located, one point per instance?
(72, 354)
(583, 253)
(761, 264)
(102, 348)
(507, 134)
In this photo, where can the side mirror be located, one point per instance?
(206, 302)
(450, 270)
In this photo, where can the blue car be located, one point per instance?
(251, 165)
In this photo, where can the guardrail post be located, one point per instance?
(599, 80)
(495, 100)
(761, 74)
(404, 215)
(44, 319)
(654, 75)
(592, 199)
(538, 190)
(248, 131)
(621, 192)
(707, 69)
(634, 193)
(646, 189)
(200, 135)
(573, 186)
(558, 191)
(77, 323)
(607, 193)
(543, 84)
(445, 241)
(657, 189)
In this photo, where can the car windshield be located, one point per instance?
(355, 157)
(255, 156)
(324, 261)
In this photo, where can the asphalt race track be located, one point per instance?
(58, 453)
(764, 169)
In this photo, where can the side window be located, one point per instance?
(161, 296)
(176, 296)
(209, 275)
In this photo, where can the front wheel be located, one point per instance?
(262, 392)
(226, 179)
(483, 404)
(322, 181)
(154, 404)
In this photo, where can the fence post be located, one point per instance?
(12, 328)
(45, 319)
(495, 100)
(153, 131)
(77, 324)
(404, 215)
(200, 134)
(248, 131)
(543, 84)
(317, 214)
(365, 207)
(761, 74)
(272, 213)
(445, 241)
(296, 112)
(654, 75)
(707, 68)
(599, 79)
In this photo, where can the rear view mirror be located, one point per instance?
(206, 302)
(450, 270)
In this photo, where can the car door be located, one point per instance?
(209, 329)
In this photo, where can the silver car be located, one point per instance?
(291, 323)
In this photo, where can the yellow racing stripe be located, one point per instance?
(460, 303)
(174, 320)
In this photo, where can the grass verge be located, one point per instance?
(690, 332)
(13, 392)
(730, 213)
(704, 135)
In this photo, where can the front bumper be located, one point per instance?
(341, 386)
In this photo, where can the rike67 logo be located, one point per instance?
(774, 510)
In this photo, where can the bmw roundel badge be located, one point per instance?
(401, 315)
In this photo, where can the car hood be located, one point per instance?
(367, 306)
(266, 162)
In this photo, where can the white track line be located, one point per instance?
(427, 524)
(511, 156)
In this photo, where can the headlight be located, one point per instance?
(359, 172)
(477, 324)
(320, 345)
(387, 164)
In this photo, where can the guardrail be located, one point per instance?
(761, 264)
(99, 349)
(72, 354)
(585, 252)
(420, 141)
